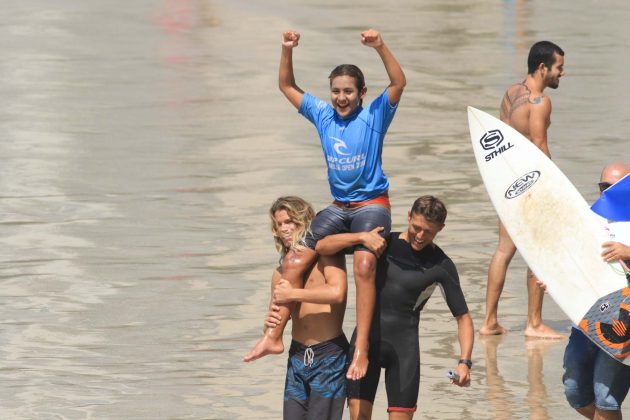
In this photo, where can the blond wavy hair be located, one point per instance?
(301, 213)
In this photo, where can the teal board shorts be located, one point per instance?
(315, 386)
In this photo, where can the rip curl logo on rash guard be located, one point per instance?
(346, 161)
(339, 144)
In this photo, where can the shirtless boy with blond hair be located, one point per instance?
(315, 381)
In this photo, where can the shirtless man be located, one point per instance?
(315, 382)
(528, 110)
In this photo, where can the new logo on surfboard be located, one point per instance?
(492, 140)
(522, 184)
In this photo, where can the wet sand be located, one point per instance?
(144, 141)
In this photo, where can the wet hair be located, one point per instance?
(301, 213)
(432, 208)
(352, 71)
(542, 52)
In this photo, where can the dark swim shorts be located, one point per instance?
(315, 386)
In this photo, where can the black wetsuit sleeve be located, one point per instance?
(452, 289)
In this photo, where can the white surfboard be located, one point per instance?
(554, 230)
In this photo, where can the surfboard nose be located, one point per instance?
(472, 110)
(475, 116)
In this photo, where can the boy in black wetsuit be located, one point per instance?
(408, 272)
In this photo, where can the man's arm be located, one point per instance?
(286, 79)
(397, 78)
(333, 292)
(333, 244)
(539, 117)
(466, 335)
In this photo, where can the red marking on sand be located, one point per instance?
(176, 16)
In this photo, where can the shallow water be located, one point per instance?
(143, 142)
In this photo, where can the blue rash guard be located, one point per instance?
(352, 146)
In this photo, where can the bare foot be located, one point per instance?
(266, 345)
(359, 365)
(543, 331)
(494, 329)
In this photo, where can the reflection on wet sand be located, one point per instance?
(498, 392)
(537, 398)
(518, 25)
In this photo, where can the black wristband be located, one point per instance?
(466, 362)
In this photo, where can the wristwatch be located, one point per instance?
(466, 362)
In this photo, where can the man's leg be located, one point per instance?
(327, 380)
(579, 367)
(607, 414)
(397, 415)
(295, 391)
(294, 266)
(365, 282)
(611, 382)
(496, 279)
(402, 374)
(588, 411)
(535, 327)
(360, 409)
(593, 413)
